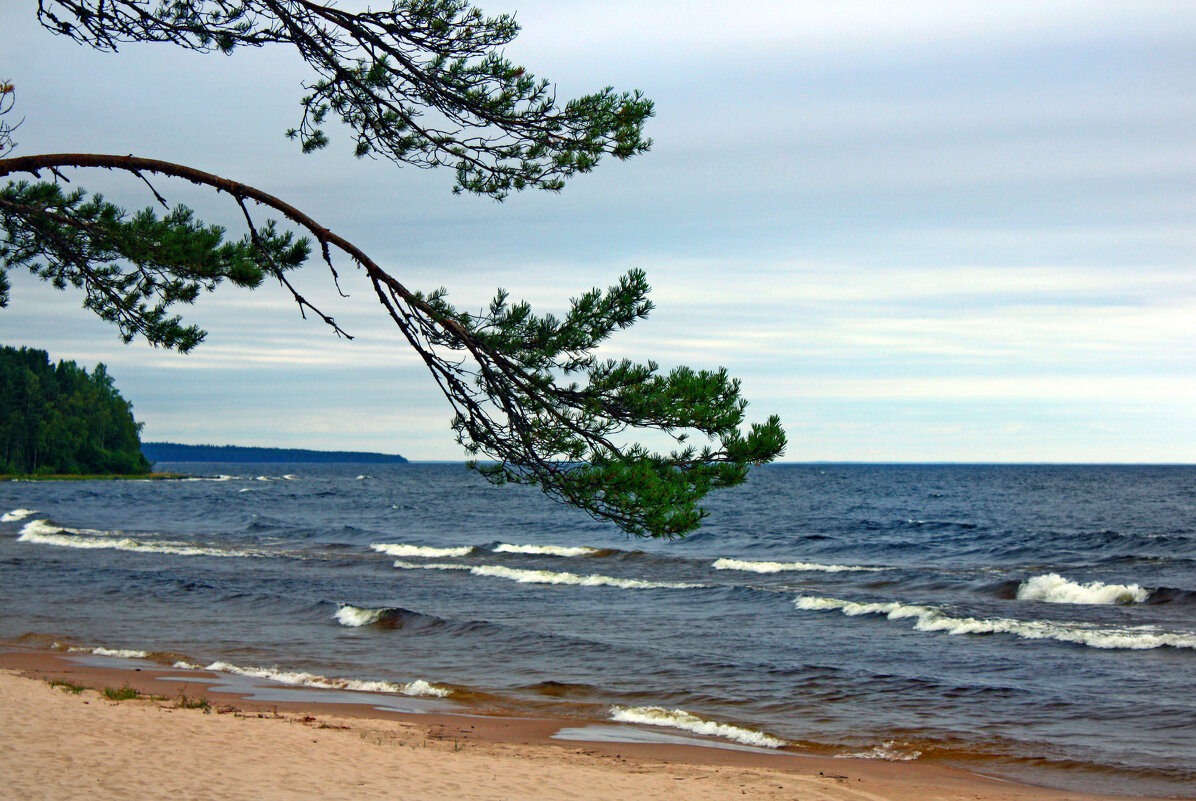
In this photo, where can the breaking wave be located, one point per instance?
(118, 653)
(356, 616)
(686, 721)
(42, 532)
(420, 551)
(1054, 589)
(929, 618)
(417, 688)
(781, 567)
(551, 577)
(546, 550)
(17, 514)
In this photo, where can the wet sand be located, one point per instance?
(57, 744)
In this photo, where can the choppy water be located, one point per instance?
(1035, 622)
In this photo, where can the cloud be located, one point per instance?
(918, 230)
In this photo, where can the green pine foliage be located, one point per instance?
(132, 268)
(60, 420)
(424, 83)
(536, 405)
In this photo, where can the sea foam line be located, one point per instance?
(781, 567)
(420, 551)
(546, 550)
(1054, 589)
(417, 688)
(929, 618)
(42, 532)
(17, 514)
(687, 721)
(551, 577)
(889, 750)
(118, 653)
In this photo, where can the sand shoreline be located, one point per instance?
(62, 745)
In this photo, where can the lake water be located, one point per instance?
(1035, 622)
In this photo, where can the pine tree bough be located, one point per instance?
(533, 403)
(424, 83)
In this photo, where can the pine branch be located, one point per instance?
(423, 83)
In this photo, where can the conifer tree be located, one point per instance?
(424, 83)
(58, 419)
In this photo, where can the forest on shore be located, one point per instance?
(58, 419)
(178, 452)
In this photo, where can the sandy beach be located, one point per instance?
(61, 744)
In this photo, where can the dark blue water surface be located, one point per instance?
(1037, 622)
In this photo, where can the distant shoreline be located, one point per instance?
(178, 452)
(97, 477)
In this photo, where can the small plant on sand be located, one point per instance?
(125, 693)
(66, 686)
(199, 702)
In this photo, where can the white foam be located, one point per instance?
(929, 618)
(423, 552)
(355, 616)
(551, 577)
(780, 567)
(17, 514)
(546, 550)
(686, 721)
(290, 477)
(418, 687)
(42, 532)
(119, 653)
(1054, 589)
(37, 527)
(363, 477)
(889, 750)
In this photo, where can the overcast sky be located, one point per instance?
(918, 231)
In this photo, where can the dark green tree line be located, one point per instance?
(424, 83)
(59, 419)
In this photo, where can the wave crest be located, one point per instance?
(42, 532)
(118, 653)
(551, 577)
(356, 616)
(420, 551)
(417, 688)
(17, 514)
(1055, 589)
(929, 618)
(687, 721)
(546, 550)
(780, 567)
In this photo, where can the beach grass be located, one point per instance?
(125, 693)
(197, 702)
(67, 687)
